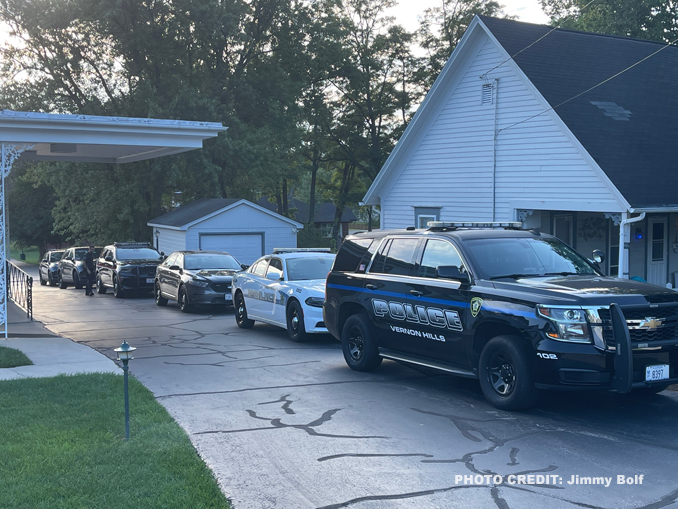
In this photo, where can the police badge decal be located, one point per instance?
(476, 303)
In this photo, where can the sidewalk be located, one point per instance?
(51, 355)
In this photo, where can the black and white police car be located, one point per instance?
(519, 310)
(287, 289)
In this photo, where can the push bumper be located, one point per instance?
(565, 366)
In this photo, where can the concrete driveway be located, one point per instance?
(289, 425)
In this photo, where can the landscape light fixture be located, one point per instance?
(124, 353)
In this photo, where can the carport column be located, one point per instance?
(9, 152)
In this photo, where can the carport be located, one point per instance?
(88, 139)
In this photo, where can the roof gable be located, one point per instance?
(626, 124)
(199, 210)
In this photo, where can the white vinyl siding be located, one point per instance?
(171, 240)
(450, 163)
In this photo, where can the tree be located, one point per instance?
(655, 20)
(441, 29)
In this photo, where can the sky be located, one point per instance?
(407, 11)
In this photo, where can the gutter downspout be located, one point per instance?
(625, 241)
(494, 151)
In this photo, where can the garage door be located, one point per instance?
(246, 247)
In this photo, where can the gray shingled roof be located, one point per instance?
(193, 211)
(628, 125)
(324, 212)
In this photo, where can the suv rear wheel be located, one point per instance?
(506, 375)
(359, 347)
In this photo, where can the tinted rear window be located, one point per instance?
(351, 254)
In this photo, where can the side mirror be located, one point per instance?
(273, 277)
(452, 272)
(244, 267)
(162, 253)
(174, 267)
(109, 258)
(598, 256)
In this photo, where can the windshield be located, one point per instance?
(80, 253)
(55, 257)
(525, 257)
(309, 267)
(211, 261)
(141, 253)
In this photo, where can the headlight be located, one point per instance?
(198, 282)
(54, 267)
(315, 302)
(125, 269)
(571, 324)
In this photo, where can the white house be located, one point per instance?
(242, 228)
(524, 123)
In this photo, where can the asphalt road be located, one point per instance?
(289, 425)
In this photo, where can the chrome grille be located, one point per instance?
(642, 324)
(221, 287)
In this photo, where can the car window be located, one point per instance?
(525, 256)
(138, 253)
(309, 267)
(179, 260)
(275, 270)
(350, 255)
(80, 253)
(398, 257)
(211, 261)
(437, 253)
(170, 260)
(69, 255)
(260, 268)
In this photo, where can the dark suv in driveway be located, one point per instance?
(519, 310)
(127, 267)
(49, 267)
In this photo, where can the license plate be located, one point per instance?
(658, 372)
(229, 296)
(150, 280)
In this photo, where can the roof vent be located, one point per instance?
(487, 93)
(613, 110)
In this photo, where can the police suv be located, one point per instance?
(519, 310)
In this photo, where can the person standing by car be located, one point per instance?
(89, 271)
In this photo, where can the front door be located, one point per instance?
(657, 251)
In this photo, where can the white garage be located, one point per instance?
(242, 228)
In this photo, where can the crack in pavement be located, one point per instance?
(280, 365)
(512, 456)
(219, 364)
(308, 428)
(286, 403)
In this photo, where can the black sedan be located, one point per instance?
(49, 267)
(196, 277)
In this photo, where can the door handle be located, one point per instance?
(416, 293)
(370, 286)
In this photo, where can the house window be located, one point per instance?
(562, 228)
(422, 215)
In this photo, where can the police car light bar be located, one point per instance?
(462, 224)
(281, 250)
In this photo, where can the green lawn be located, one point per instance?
(61, 446)
(32, 254)
(12, 358)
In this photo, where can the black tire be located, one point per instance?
(652, 389)
(159, 299)
(42, 281)
(357, 342)
(117, 289)
(76, 280)
(296, 329)
(506, 374)
(101, 289)
(62, 284)
(183, 302)
(241, 312)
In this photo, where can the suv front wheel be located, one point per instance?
(506, 375)
(360, 349)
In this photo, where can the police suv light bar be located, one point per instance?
(281, 250)
(463, 224)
